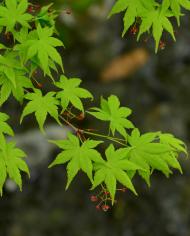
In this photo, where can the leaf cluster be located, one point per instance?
(152, 16)
(32, 47)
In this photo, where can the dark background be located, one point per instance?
(158, 91)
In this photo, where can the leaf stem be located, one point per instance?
(91, 133)
(105, 137)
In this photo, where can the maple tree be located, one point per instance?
(33, 46)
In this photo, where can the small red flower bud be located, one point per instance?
(30, 9)
(98, 207)
(93, 198)
(105, 208)
(162, 45)
(134, 29)
(106, 192)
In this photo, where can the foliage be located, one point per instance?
(71, 92)
(32, 47)
(151, 16)
(11, 158)
(117, 116)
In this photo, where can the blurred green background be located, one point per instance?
(156, 87)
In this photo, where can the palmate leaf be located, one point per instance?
(151, 16)
(71, 92)
(40, 43)
(41, 106)
(7, 87)
(79, 156)
(9, 64)
(14, 12)
(176, 6)
(115, 169)
(4, 127)
(12, 77)
(46, 16)
(131, 8)
(111, 111)
(11, 163)
(175, 143)
(151, 153)
(157, 19)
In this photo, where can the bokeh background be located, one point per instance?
(156, 87)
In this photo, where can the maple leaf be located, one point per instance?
(4, 127)
(79, 156)
(11, 163)
(115, 169)
(7, 87)
(176, 5)
(40, 43)
(12, 77)
(46, 16)
(172, 141)
(150, 154)
(14, 12)
(41, 106)
(157, 19)
(131, 8)
(8, 66)
(71, 92)
(111, 111)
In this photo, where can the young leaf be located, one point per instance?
(11, 163)
(71, 92)
(150, 154)
(7, 87)
(4, 127)
(41, 43)
(14, 12)
(41, 106)
(111, 111)
(46, 16)
(157, 19)
(79, 156)
(115, 169)
(175, 143)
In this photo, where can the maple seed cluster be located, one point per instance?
(134, 29)
(103, 199)
(33, 8)
(162, 45)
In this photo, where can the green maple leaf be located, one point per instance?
(4, 127)
(157, 19)
(131, 8)
(111, 111)
(11, 163)
(176, 6)
(114, 169)
(184, 3)
(79, 156)
(71, 92)
(47, 17)
(9, 64)
(40, 43)
(7, 87)
(14, 12)
(175, 143)
(150, 154)
(41, 106)
(12, 77)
